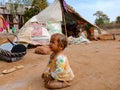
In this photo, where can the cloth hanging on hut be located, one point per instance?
(4, 25)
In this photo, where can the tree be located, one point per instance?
(118, 19)
(41, 4)
(101, 18)
(37, 6)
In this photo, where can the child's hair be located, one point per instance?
(62, 40)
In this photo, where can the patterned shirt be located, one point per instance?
(60, 69)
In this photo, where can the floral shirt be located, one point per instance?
(60, 69)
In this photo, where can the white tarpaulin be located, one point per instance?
(34, 34)
(52, 13)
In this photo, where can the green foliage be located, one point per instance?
(41, 4)
(99, 21)
(101, 18)
(37, 6)
(30, 13)
(98, 14)
(118, 20)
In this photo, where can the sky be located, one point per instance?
(86, 8)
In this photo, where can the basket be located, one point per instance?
(13, 55)
(10, 57)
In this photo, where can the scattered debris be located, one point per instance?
(79, 40)
(1, 75)
(12, 69)
(8, 70)
(20, 67)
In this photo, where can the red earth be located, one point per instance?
(96, 67)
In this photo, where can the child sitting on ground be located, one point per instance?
(58, 73)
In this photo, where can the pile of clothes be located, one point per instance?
(79, 40)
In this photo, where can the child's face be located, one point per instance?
(54, 44)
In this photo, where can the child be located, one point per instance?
(58, 73)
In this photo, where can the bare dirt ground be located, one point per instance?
(96, 67)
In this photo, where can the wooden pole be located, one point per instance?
(65, 24)
(63, 17)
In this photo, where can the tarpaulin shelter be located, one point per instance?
(51, 20)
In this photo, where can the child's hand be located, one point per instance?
(49, 78)
(45, 75)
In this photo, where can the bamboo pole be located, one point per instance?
(65, 25)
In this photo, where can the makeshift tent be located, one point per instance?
(53, 19)
(34, 33)
(59, 13)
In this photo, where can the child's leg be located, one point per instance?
(54, 84)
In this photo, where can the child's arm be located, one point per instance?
(60, 65)
(46, 71)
